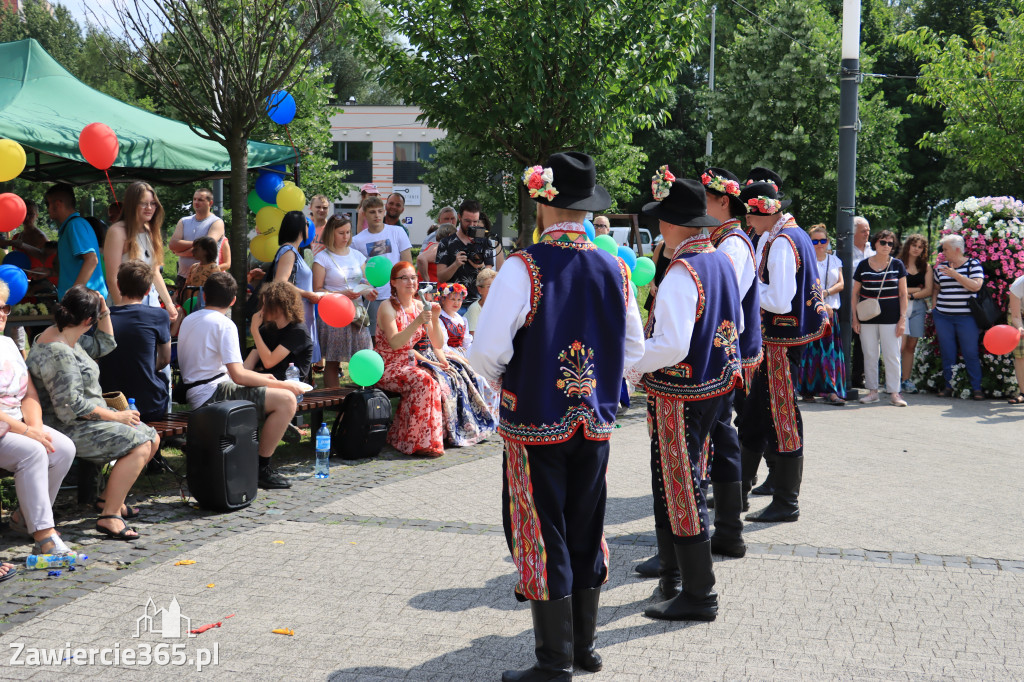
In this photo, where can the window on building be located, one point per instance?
(355, 157)
(409, 158)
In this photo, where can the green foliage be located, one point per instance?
(528, 78)
(977, 86)
(777, 103)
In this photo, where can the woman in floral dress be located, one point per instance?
(418, 427)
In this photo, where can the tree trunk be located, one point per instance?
(527, 216)
(238, 152)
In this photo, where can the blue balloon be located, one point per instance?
(310, 233)
(267, 186)
(18, 258)
(17, 282)
(281, 107)
(626, 254)
(589, 227)
(279, 170)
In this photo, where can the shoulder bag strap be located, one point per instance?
(884, 276)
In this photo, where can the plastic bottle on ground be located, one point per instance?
(322, 468)
(46, 561)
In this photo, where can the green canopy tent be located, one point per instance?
(44, 108)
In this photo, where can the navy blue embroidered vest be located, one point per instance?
(750, 337)
(566, 366)
(712, 367)
(806, 319)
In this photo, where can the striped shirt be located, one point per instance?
(884, 285)
(953, 297)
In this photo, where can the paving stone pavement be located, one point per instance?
(907, 563)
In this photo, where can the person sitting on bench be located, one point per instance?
(212, 371)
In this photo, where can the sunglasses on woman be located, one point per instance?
(819, 241)
(886, 242)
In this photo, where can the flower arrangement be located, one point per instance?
(538, 179)
(449, 288)
(993, 232)
(717, 183)
(661, 183)
(765, 205)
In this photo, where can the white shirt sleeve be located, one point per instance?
(1017, 288)
(634, 349)
(777, 296)
(500, 320)
(675, 312)
(738, 251)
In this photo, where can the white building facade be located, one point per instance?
(386, 145)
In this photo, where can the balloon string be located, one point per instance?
(111, 185)
(295, 173)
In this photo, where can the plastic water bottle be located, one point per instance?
(292, 374)
(323, 452)
(131, 405)
(44, 561)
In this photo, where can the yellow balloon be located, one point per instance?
(12, 160)
(287, 183)
(268, 220)
(536, 235)
(291, 199)
(264, 247)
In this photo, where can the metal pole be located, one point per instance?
(711, 80)
(218, 196)
(849, 124)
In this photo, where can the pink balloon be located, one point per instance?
(1001, 339)
(12, 211)
(98, 145)
(337, 310)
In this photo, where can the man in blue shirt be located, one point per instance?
(78, 251)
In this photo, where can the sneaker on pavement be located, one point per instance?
(897, 400)
(269, 479)
(908, 386)
(870, 397)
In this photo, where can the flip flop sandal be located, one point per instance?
(122, 535)
(11, 572)
(132, 513)
(835, 400)
(37, 548)
(18, 527)
(1018, 400)
(978, 395)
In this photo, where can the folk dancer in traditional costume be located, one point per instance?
(722, 190)
(691, 362)
(560, 326)
(792, 315)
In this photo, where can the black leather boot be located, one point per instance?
(789, 472)
(649, 568)
(552, 631)
(750, 460)
(584, 629)
(670, 582)
(768, 486)
(728, 537)
(697, 601)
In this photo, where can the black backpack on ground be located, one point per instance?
(362, 427)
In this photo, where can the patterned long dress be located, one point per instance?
(418, 427)
(468, 416)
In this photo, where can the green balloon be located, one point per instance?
(607, 243)
(366, 367)
(636, 292)
(190, 304)
(643, 273)
(255, 202)
(378, 271)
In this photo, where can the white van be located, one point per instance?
(621, 237)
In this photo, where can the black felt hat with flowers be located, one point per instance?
(567, 180)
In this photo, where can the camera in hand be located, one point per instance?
(481, 247)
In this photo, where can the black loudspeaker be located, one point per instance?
(221, 453)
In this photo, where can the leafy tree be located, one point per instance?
(977, 86)
(228, 56)
(528, 78)
(776, 104)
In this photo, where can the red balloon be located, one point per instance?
(12, 211)
(337, 310)
(98, 145)
(1001, 339)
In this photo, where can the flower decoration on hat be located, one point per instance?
(775, 187)
(661, 183)
(538, 179)
(764, 205)
(449, 288)
(717, 183)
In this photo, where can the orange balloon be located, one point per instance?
(12, 211)
(1001, 339)
(337, 310)
(98, 145)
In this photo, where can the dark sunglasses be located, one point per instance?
(819, 241)
(5, 309)
(885, 242)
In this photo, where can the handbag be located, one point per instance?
(984, 308)
(115, 400)
(870, 308)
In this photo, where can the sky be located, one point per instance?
(83, 16)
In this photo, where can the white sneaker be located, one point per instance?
(897, 400)
(871, 397)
